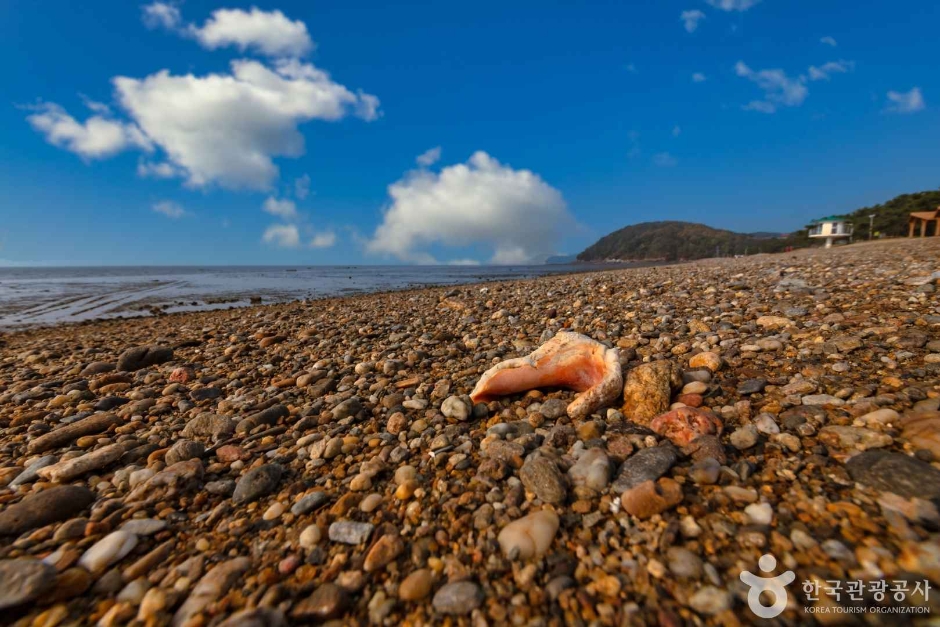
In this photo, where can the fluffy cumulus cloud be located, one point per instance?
(826, 70)
(732, 5)
(483, 203)
(282, 236)
(429, 157)
(829, 41)
(779, 89)
(284, 209)
(270, 33)
(906, 102)
(226, 128)
(221, 128)
(97, 137)
(690, 19)
(169, 209)
(699, 77)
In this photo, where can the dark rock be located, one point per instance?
(183, 450)
(327, 601)
(309, 503)
(752, 386)
(267, 417)
(43, 508)
(541, 476)
(209, 425)
(205, 394)
(134, 359)
(647, 464)
(895, 472)
(23, 580)
(257, 482)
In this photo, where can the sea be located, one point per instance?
(43, 296)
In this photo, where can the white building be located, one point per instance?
(832, 228)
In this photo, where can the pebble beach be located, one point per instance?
(321, 462)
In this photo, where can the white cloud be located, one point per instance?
(906, 102)
(282, 235)
(284, 209)
(690, 19)
(95, 138)
(824, 72)
(829, 41)
(463, 262)
(226, 128)
(732, 5)
(157, 169)
(778, 88)
(665, 160)
(698, 77)
(481, 202)
(270, 33)
(676, 131)
(302, 187)
(323, 240)
(161, 14)
(429, 157)
(169, 208)
(98, 107)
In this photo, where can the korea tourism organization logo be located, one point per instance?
(776, 586)
(849, 592)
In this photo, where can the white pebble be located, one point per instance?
(108, 550)
(530, 536)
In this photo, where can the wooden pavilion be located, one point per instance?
(920, 220)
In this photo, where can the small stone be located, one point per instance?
(686, 424)
(24, 580)
(744, 437)
(760, 513)
(310, 502)
(708, 360)
(458, 598)
(553, 408)
(646, 464)
(649, 498)
(695, 387)
(143, 526)
(853, 438)
(134, 359)
(822, 399)
(257, 482)
(416, 585)
(705, 471)
(213, 585)
(542, 477)
(327, 601)
(349, 532)
(752, 386)
(349, 407)
(109, 550)
(530, 536)
(370, 503)
(274, 511)
(310, 537)
(456, 408)
(710, 600)
(683, 563)
(184, 450)
(592, 470)
(648, 388)
(895, 472)
(766, 424)
(384, 551)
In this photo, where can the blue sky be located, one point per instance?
(161, 133)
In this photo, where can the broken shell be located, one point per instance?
(568, 360)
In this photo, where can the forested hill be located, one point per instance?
(891, 217)
(672, 241)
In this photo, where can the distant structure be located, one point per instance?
(922, 219)
(832, 228)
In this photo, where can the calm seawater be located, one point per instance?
(46, 296)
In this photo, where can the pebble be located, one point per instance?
(458, 598)
(327, 601)
(310, 536)
(257, 482)
(592, 470)
(708, 360)
(110, 549)
(760, 513)
(651, 498)
(648, 389)
(744, 437)
(350, 532)
(416, 585)
(710, 600)
(456, 408)
(542, 477)
(384, 551)
(310, 502)
(895, 472)
(529, 536)
(646, 464)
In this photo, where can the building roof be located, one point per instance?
(831, 219)
(926, 215)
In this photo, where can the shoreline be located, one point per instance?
(312, 462)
